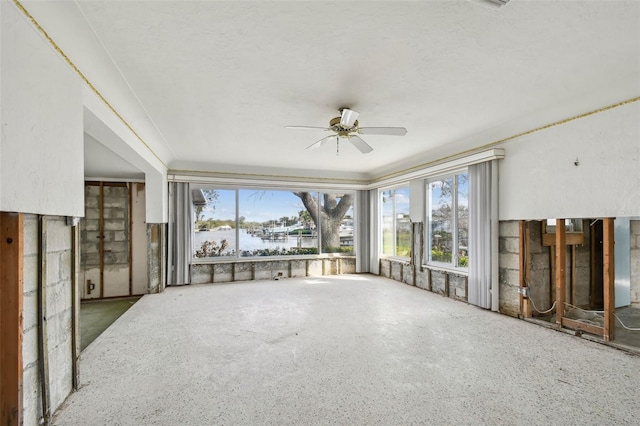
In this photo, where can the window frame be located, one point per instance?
(455, 238)
(394, 230)
(237, 256)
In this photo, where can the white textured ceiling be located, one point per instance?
(221, 80)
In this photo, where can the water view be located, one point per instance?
(249, 242)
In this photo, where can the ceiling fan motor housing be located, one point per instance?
(342, 131)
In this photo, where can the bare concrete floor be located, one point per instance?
(355, 349)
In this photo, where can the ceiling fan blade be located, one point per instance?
(392, 131)
(348, 117)
(362, 146)
(306, 128)
(321, 142)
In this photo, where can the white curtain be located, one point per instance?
(180, 231)
(483, 232)
(363, 246)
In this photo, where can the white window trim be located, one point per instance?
(454, 224)
(238, 258)
(393, 256)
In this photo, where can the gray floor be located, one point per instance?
(342, 350)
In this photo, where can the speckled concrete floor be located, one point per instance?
(342, 350)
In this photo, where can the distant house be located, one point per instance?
(224, 228)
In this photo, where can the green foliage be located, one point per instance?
(342, 249)
(279, 252)
(439, 255)
(463, 261)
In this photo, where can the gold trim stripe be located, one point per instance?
(84, 78)
(492, 144)
(377, 179)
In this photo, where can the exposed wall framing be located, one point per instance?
(11, 329)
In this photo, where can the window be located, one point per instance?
(262, 222)
(396, 224)
(448, 220)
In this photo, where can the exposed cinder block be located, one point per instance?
(458, 287)
(385, 268)
(222, 272)
(60, 374)
(509, 245)
(509, 276)
(243, 271)
(201, 274)
(30, 310)
(422, 279)
(510, 228)
(91, 214)
(30, 267)
(439, 282)
(509, 300)
(348, 265)
(58, 235)
(330, 267)
(315, 267)
(509, 260)
(298, 268)
(30, 245)
(408, 274)
(30, 395)
(396, 270)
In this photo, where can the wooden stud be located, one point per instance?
(561, 265)
(609, 279)
(75, 307)
(573, 276)
(43, 336)
(130, 237)
(101, 237)
(11, 299)
(521, 264)
(592, 267)
(552, 289)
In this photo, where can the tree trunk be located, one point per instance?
(328, 217)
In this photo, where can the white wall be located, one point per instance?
(41, 153)
(538, 178)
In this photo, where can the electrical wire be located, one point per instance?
(602, 312)
(624, 326)
(535, 308)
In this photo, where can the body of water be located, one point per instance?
(248, 242)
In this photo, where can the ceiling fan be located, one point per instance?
(347, 127)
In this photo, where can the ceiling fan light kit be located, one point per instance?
(347, 126)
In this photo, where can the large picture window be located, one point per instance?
(448, 220)
(396, 224)
(257, 222)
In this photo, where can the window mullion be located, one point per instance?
(454, 222)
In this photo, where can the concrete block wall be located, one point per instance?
(116, 226)
(448, 283)
(634, 242)
(508, 270)
(222, 272)
(59, 283)
(156, 256)
(541, 282)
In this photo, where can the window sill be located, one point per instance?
(447, 268)
(210, 260)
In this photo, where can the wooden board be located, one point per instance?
(561, 265)
(11, 299)
(609, 279)
(572, 239)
